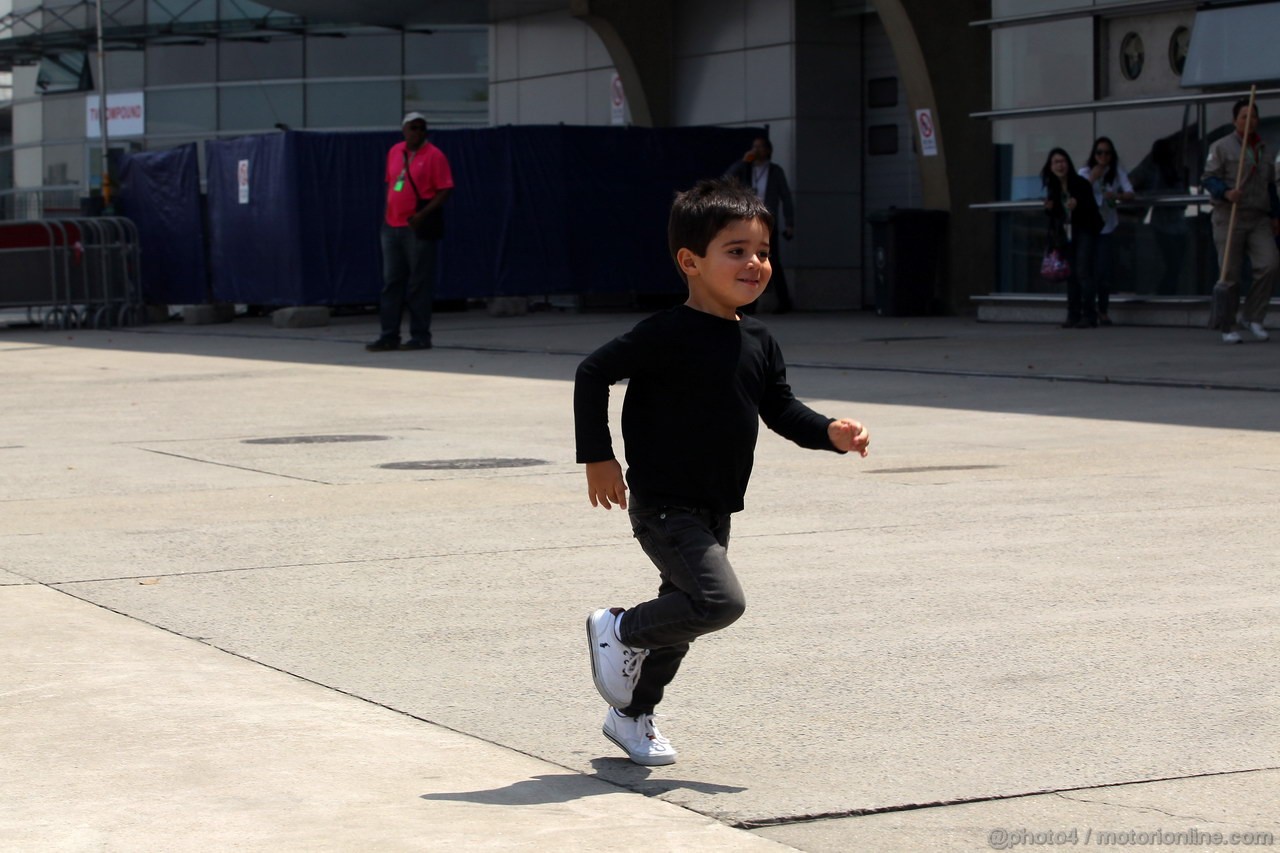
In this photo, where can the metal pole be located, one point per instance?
(102, 117)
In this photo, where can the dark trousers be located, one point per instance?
(1103, 265)
(408, 282)
(1082, 286)
(698, 593)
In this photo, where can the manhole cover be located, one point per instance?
(315, 439)
(933, 468)
(458, 464)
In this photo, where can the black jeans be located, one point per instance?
(1082, 286)
(408, 281)
(698, 593)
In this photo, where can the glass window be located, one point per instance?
(882, 139)
(181, 11)
(1023, 146)
(178, 64)
(447, 52)
(64, 117)
(182, 110)
(122, 13)
(372, 105)
(1042, 64)
(64, 72)
(244, 10)
(353, 56)
(62, 15)
(882, 92)
(260, 108)
(124, 69)
(257, 60)
(63, 164)
(460, 99)
(1006, 8)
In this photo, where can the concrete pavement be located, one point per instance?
(1047, 602)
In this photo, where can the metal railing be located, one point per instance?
(72, 272)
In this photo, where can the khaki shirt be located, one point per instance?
(1224, 160)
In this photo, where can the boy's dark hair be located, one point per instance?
(1239, 105)
(700, 213)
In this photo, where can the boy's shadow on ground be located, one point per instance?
(564, 787)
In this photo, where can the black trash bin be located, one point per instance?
(909, 248)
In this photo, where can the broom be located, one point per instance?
(1222, 306)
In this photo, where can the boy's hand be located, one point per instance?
(847, 434)
(605, 483)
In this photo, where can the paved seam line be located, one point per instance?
(238, 467)
(762, 823)
(357, 697)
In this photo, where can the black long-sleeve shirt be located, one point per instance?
(699, 385)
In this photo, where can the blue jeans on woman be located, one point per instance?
(408, 281)
(698, 593)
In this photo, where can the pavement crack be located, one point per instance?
(237, 467)
(322, 564)
(1128, 807)
(787, 820)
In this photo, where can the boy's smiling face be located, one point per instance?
(734, 272)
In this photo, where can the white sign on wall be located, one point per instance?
(928, 133)
(242, 181)
(617, 101)
(126, 115)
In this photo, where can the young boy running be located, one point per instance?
(701, 378)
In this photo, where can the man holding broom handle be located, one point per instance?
(1241, 179)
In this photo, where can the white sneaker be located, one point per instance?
(1231, 338)
(1258, 331)
(614, 666)
(639, 738)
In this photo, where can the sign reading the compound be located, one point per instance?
(126, 115)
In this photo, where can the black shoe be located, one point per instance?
(1104, 320)
(1072, 323)
(412, 344)
(383, 345)
(1087, 324)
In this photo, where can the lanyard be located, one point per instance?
(408, 158)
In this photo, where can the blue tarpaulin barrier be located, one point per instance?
(160, 192)
(293, 217)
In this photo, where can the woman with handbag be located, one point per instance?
(1111, 185)
(1074, 226)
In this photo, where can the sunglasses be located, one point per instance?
(1100, 151)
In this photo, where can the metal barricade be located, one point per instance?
(72, 272)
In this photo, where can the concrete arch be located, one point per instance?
(945, 66)
(638, 38)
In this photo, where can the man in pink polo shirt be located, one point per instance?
(418, 182)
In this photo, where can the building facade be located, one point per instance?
(1158, 80)
(870, 104)
(215, 68)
